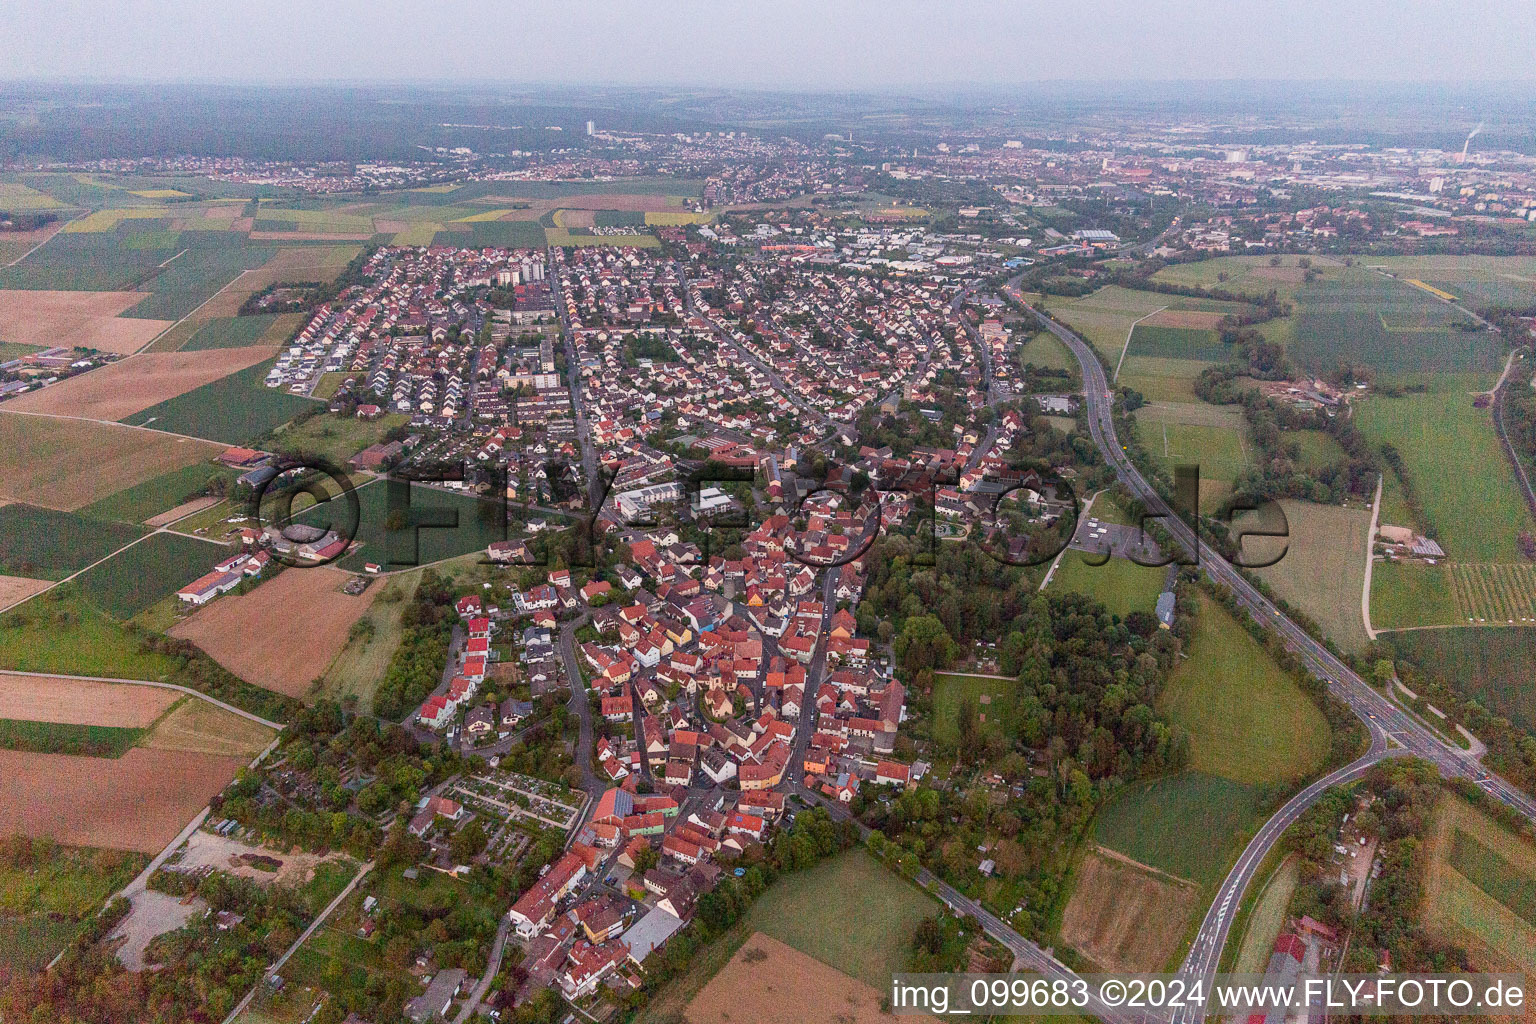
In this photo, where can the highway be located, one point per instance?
(1392, 730)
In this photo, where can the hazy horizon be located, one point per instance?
(792, 45)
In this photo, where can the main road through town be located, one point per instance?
(1392, 730)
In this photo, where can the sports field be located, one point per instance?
(1247, 720)
(992, 698)
(1190, 433)
(1192, 825)
(1453, 459)
(1322, 569)
(476, 526)
(1120, 584)
(152, 569)
(66, 464)
(232, 409)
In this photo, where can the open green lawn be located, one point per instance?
(156, 567)
(1120, 584)
(1316, 449)
(45, 899)
(1453, 459)
(1322, 568)
(849, 912)
(1410, 594)
(1045, 350)
(475, 527)
(1247, 719)
(992, 699)
(336, 437)
(46, 544)
(1249, 275)
(233, 409)
(62, 632)
(1190, 824)
(160, 494)
(1160, 378)
(1494, 664)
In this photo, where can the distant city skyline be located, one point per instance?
(788, 44)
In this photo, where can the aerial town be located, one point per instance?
(652, 554)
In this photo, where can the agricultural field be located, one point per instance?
(283, 634)
(87, 319)
(358, 668)
(1125, 916)
(156, 567)
(1106, 317)
(67, 738)
(61, 632)
(139, 801)
(14, 589)
(66, 464)
(144, 501)
(1250, 275)
(43, 543)
(1478, 889)
(1495, 593)
(562, 236)
(121, 389)
(1408, 594)
(18, 198)
(1120, 584)
(199, 727)
(83, 702)
(799, 982)
(264, 331)
(1192, 825)
(233, 409)
(1046, 351)
(1322, 570)
(1184, 433)
(1455, 464)
(1248, 721)
(992, 698)
(1493, 664)
(849, 912)
(1477, 280)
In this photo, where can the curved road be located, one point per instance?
(1392, 730)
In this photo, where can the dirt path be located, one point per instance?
(1370, 544)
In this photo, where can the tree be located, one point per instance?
(1383, 672)
(467, 843)
(924, 643)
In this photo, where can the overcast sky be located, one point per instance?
(797, 44)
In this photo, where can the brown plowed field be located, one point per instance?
(283, 634)
(15, 588)
(82, 701)
(127, 386)
(768, 982)
(139, 801)
(1125, 916)
(86, 319)
(64, 464)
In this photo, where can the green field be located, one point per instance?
(849, 912)
(359, 667)
(1453, 459)
(1410, 594)
(84, 261)
(1247, 720)
(1105, 317)
(1316, 449)
(1494, 664)
(67, 738)
(45, 544)
(950, 690)
(213, 259)
(1177, 343)
(233, 409)
(1479, 280)
(560, 236)
(18, 198)
(336, 437)
(154, 568)
(1120, 584)
(231, 332)
(1191, 824)
(1322, 569)
(1497, 877)
(1267, 918)
(476, 527)
(1047, 351)
(1174, 436)
(62, 632)
(152, 497)
(1250, 275)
